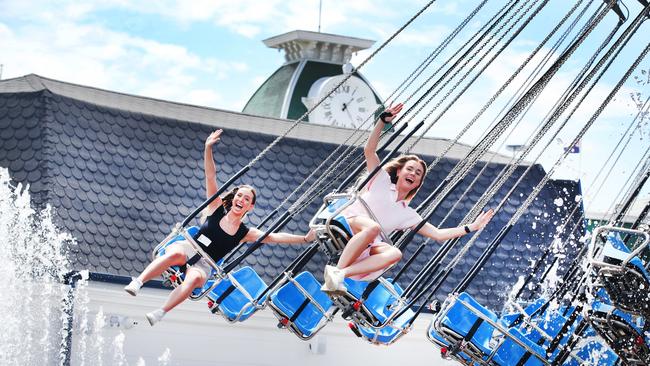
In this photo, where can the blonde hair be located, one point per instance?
(398, 163)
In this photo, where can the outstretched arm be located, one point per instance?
(370, 150)
(210, 168)
(282, 238)
(434, 233)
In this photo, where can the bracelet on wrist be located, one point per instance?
(384, 115)
(467, 230)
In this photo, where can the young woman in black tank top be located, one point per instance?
(221, 231)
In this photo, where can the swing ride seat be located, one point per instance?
(388, 334)
(444, 346)
(510, 353)
(537, 339)
(593, 352)
(624, 277)
(234, 297)
(622, 332)
(459, 316)
(507, 320)
(174, 275)
(331, 228)
(376, 310)
(301, 306)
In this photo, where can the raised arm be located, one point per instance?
(434, 233)
(210, 168)
(370, 150)
(281, 238)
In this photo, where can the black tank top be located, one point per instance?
(213, 240)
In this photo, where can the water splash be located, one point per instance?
(165, 358)
(36, 302)
(33, 266)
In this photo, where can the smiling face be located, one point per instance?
(407, 173)
(409, 177)
(243, 200)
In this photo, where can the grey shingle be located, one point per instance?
(119, 180)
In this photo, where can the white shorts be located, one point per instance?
(189, 251)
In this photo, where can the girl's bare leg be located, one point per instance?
(173, 257)
(366, 231)
(381, 256)
(193, 279)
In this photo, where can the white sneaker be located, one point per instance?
(133, 287)
(155, 316)
(333, 280)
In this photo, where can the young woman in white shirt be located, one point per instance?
(388, 195)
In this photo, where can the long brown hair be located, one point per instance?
(398, 163)
(227, 199)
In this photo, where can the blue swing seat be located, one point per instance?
(511, 353)
(174, 276)
(507, 320)
(333, 238)
(629, 287)
(377, 308)
(235, 299)
(444, 346)
(622, 332)
(289, 300)
(333, 207)
(594, 354)
(458, 320)
(387, 334)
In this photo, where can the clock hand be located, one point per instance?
(345, 105)
(350, 116)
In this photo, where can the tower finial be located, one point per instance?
(320, 10)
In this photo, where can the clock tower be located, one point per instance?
(314, 64)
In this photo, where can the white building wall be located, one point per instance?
(194, 336)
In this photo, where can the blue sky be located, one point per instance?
(210, 53)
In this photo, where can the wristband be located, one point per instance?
(467, 230)
(383, 116)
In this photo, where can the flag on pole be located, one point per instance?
(575, 149)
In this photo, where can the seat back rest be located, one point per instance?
(192, 230)
(381, 301)
(292, 306)
(461, 320)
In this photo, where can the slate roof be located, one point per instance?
(119, 180)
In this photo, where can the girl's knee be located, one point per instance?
(373, 229)
(195, 279)
(395, 254)
(176, 257)
(198, 282)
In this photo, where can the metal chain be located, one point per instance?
(485, 66)
(404, 86)
(464, 166)
(510, 79)
(537, 189)
(550, 121)
(363, 63)
(478, 206)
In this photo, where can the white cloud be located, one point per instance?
(72, 50)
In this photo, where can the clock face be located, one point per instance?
(348, 106)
